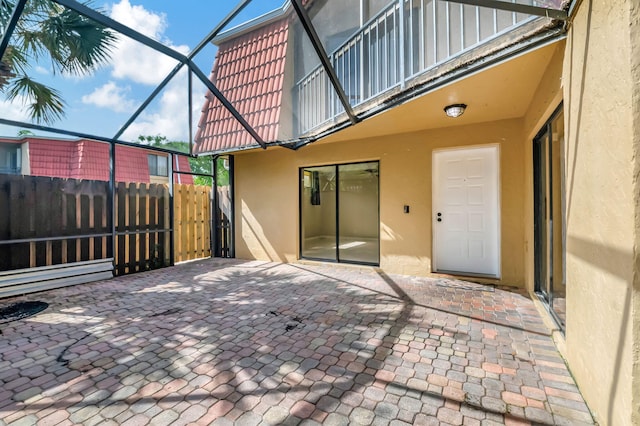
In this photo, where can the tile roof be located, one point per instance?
(87, 159)
(132, 165)
(249, 71)
(52, 157)
(92, 161)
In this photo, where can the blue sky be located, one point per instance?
(101, 103)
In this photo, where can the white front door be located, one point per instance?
(466, 210)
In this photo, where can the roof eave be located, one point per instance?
(538, 34)
(252, 24)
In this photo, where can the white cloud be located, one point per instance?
(110, 96)
(137, 17)
(170, 118)
(133, 64)
(133, 60)
(14, 110)
(42, 70)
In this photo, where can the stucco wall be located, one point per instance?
(601, 207)
(635, 91)
(267, 194)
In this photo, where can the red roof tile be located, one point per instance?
(132, 164)
(51, 157)
(92, 161)
(249, 71)
(86, 159)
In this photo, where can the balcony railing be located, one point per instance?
(395, 46)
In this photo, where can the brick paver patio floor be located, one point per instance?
(247, 343)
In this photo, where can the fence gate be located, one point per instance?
(143, 225)
(192, 222)
(143, 229)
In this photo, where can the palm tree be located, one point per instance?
(74, 45)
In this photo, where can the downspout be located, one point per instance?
(178, 168)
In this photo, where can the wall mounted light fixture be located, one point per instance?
(455, 110)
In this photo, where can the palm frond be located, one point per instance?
(15, 60)
(6, 7)
(76, 44)
(72, 42)
(45, 105)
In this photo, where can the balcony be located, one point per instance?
(392, 50)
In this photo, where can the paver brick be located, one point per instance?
(84, 414)
(538, 415)
(56, 417)
(514, 399)
(578, 415)
(137, 420)
(361, 416)
(191, 415)
(449, 416)
(559, 393)
(275, 415)
(348, 351)
(165, 417)
(335, 419)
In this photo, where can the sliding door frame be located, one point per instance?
(545, 229)
(337, 214)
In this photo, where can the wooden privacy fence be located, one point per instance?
(143, 234)
(51, 221)
(192, 221)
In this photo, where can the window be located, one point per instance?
(158, 165)
(10, 159)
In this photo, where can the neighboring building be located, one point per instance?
(535, 185)
(87, 159)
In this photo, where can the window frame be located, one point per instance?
(13, 159)
(155, 166)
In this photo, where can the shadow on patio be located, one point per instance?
(224, 341)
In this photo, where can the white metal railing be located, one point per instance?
(394, 46)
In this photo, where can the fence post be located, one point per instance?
(143, 225)
(111, 203)
(171, 213)
(177, 221)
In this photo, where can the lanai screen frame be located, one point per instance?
(187, 60)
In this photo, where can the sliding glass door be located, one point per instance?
(549, 211)
(319, 212)
(339, 213)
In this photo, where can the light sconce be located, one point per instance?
(455, 110)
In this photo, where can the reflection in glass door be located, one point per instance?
(318, 202)
(548, 220)
(339, 209)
